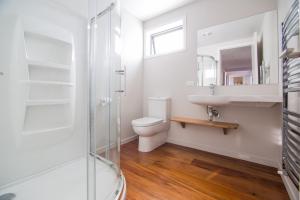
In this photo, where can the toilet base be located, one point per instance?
(147, 144)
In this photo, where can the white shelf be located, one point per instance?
(55, 83)
(49, 81)
(47, 102)
(64, 128)
(49, 65)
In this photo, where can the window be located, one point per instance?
(166, 39)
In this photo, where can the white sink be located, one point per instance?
(242, 100)
(211, 100)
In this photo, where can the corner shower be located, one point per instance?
(60, 84)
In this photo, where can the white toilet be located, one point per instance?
(152, 130)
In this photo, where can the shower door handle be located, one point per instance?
(104, 101)
(125, 80)
(122, 72)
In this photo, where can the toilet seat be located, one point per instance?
(146, 121)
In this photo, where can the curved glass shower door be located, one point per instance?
(105, 179)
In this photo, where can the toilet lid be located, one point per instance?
(146, 121)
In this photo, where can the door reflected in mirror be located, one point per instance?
(241, 52)
(236, 65)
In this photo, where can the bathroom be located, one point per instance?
(146, 99)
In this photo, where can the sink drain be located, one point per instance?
(8, 196)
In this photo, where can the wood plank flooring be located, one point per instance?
(172, 172)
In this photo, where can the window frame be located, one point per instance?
(150, 35)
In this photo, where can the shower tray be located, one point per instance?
(68, 182)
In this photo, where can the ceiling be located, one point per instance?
(147, 9)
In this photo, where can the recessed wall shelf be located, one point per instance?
(50, 65)
(46, 72)
(224, 125)
(40, 77)
(47, 102)
(55, 83)
(46, 130)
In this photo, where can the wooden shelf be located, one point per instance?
(224, 125)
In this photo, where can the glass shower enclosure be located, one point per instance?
(60, 87)
(105, 94)
(207, 70)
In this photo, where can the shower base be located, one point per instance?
(69, 182)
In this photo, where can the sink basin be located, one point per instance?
(220, 100)
(209, 100)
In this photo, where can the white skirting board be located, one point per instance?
(294, 194)
(123, 141)
(237, 155)
(129, 139)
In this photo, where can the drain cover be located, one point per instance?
(8, 196)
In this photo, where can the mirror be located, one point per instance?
(241, 52)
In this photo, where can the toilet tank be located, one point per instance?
(159, 107)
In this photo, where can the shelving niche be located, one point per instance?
(49, 107)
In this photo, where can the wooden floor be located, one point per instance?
(173, 172)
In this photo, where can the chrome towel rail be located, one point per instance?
(291, 84)
(290, 25)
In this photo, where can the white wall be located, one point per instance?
(258, 137)
(78, 7)
(132, 58)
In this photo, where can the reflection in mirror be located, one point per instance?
(241, 52)
(236, 65)
(207, 70)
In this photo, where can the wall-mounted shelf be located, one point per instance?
(223, 125)
(55, 83)
(45, 64)
(47, 102)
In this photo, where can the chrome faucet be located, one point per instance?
(212, 89)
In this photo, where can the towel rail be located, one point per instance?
(291, 84)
